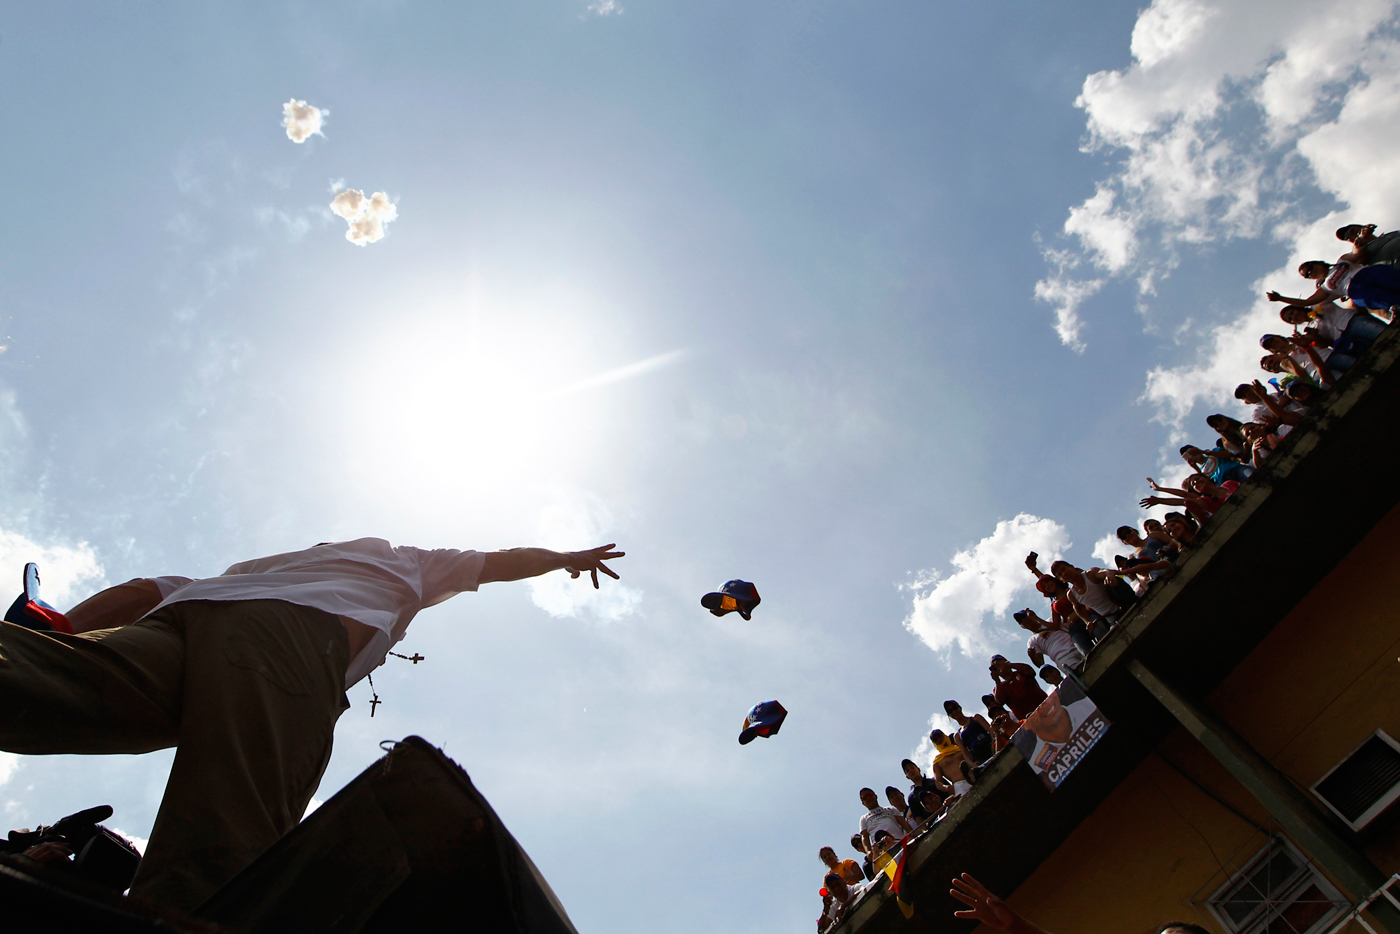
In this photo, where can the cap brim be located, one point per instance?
(714, 603)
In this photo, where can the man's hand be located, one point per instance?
(1030, 562)
(985, 907)
(592, 562)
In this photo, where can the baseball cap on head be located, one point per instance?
(764, 719)
(734, 595)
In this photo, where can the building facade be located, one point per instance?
(1248, 780)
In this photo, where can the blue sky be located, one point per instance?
(822, 226)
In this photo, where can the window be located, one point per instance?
(1277, 892)
(1363, 784)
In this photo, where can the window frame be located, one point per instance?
(1307, 874)
(1384, 802)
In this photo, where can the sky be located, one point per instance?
(857, 301)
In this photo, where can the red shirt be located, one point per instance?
(1213, 503)
(1019, 694)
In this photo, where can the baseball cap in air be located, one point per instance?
(764, 719)
(734, 595)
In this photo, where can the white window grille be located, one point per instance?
(1365, 783)
(1277, 892)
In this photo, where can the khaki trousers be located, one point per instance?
(248, 691)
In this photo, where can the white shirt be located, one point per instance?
(367, 580)
(1338, 278)
(1331, 320)
(1058, 645)
(881, 819)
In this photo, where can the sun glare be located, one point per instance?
(444, 400)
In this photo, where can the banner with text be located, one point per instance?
(1060, 732)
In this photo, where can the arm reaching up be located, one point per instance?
(985, 907)
(515, 564)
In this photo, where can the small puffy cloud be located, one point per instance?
(950, 610)
(67, 574)
(1108, 234)
(1107, 547)
(366, 216)
(604, 8)
(302, 120)
(9, 762)
(570, 520)
(1067, 294)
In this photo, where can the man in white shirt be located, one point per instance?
(1046, 639)
(877, 818)
(244, 673)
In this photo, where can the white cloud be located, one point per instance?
(302, 120)
(366, 216)
(311, 806)
(569, 521)
(9, 762)
(1067, 295)
(1108, 234)
(605, 8)
(1231, 118)
(951, 610)
(67, 574)
(1107, 547)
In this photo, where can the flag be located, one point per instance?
(894, 868)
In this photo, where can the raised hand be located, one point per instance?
(985, 907)
(592, 562)
(982, 905)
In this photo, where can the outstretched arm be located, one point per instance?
(515, 564)
(1318, 296)
(116, 606)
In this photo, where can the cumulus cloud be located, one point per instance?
(1067, 294)
(950, 610)
(67, 574)
(1229, 114)
(366, 216)
(569, 520)
(302, 120)
(604, 8)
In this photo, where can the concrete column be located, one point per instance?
(1299, 816)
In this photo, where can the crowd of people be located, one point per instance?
(1354, 300)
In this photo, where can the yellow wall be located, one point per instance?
(1314, 689)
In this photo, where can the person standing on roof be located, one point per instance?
(1016, 689)
(244, 674)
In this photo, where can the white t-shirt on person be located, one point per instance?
(1331, 320)
(1338, 278)
(367, 580)
(1056, 644)
(885, 819)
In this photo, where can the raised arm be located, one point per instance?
(1318, 296)
(515, 564)
(1324, 375)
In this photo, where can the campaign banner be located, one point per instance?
(1060, 732)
